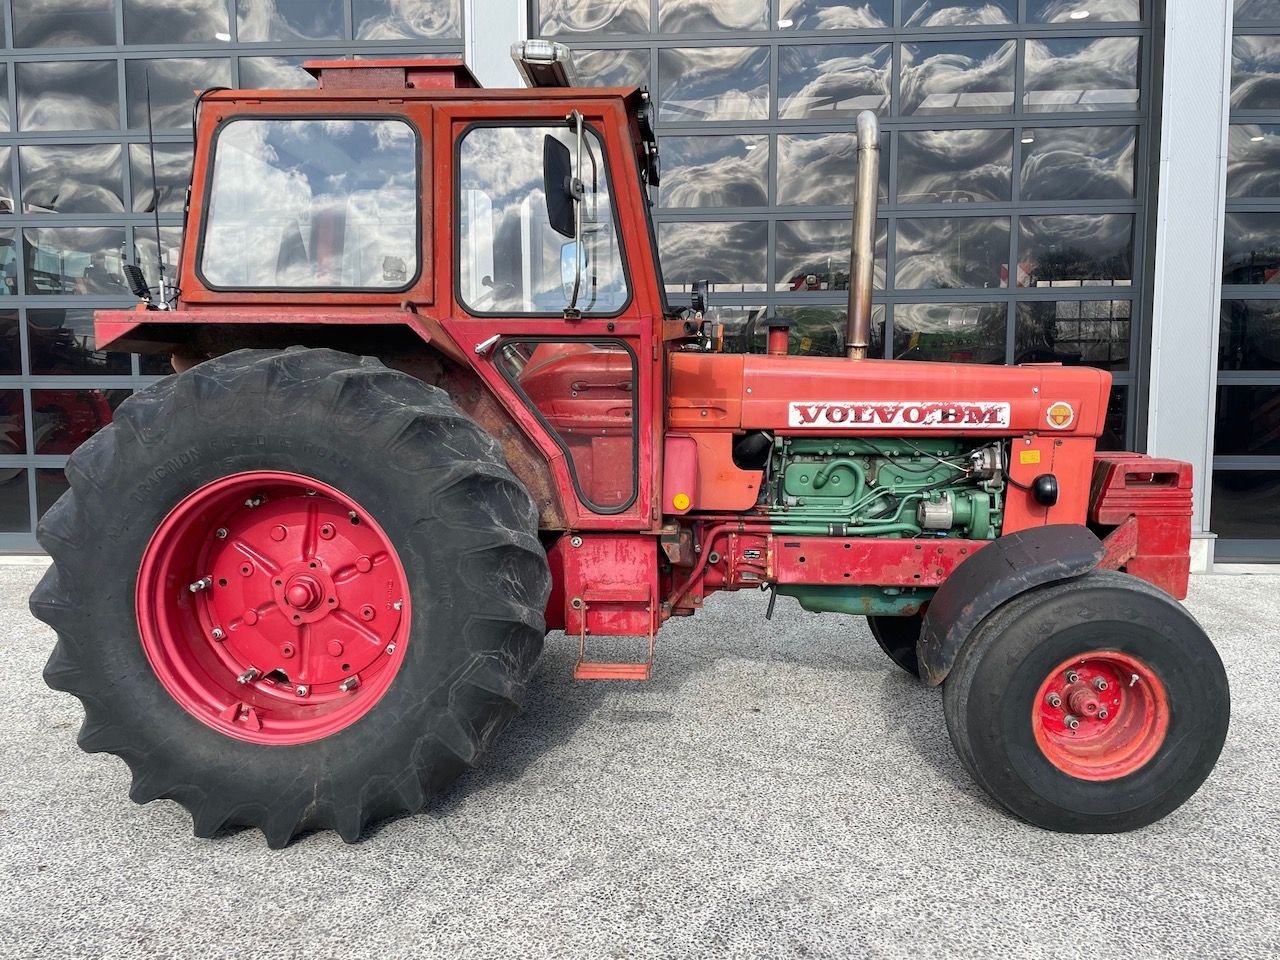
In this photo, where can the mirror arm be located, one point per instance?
(571, 312)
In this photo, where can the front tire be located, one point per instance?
(897, 637)
(292, 590)
(1095, 705)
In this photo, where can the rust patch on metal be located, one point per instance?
(1120, 545)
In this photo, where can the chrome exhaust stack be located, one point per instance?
(863, 255)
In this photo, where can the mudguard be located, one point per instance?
(1010, 566)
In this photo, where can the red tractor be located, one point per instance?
(431, 402)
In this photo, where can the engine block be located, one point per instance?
(889, 487)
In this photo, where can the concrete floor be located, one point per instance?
(778, 790)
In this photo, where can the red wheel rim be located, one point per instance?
(1100, 716)
(273, 608)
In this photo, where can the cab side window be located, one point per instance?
(511, 260)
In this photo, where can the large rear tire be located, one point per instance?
(1095, 705)
(292, 590)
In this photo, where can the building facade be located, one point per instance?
(1054, 189)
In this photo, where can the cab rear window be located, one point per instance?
(319, 204)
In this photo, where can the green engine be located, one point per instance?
(891, 487)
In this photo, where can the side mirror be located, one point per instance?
(573, 264)
(557, 184)
(698, 297)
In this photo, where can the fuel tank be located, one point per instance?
(833, 396)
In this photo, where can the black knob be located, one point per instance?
(1045, 489)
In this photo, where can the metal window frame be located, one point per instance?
(1229, 549)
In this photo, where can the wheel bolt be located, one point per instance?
(349, 684)
(1071, 722)
(1102, 714)
(391, 648)
(221, 533)
(250, 675)
(217, 633)
(1072, 676)
(1100, 684)
(301, 690)
(1054, 700)
(201, 584)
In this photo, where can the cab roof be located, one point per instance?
(443, 78)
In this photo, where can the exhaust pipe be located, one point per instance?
(863, 255)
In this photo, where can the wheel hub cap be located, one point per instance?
(273, 608)
(303, 593)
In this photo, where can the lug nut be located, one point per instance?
(202, 584)
(250, 675)
(349, 684)
(217, 633)
(1054, 700)
(1100, 684)
(221, 533)
(1071, 722)
(301, 690)
(1072, 676)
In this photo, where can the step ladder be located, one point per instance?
(620, 598)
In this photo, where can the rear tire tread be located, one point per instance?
(141, 422)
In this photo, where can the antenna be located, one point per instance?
(155, 196)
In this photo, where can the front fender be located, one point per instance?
(994, 575)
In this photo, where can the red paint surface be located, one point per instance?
(1157, 494)
(1120, 727)
(679, 473)
(300, 591)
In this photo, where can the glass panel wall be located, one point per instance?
(77, 193)
(1013, 183)
(1245, 506)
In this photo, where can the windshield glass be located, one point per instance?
(321, 204)
(511, 259)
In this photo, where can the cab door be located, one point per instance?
(560, 312)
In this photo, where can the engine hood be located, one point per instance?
(835, 396)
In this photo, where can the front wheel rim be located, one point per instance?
(273, 608)
(1101, 716)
